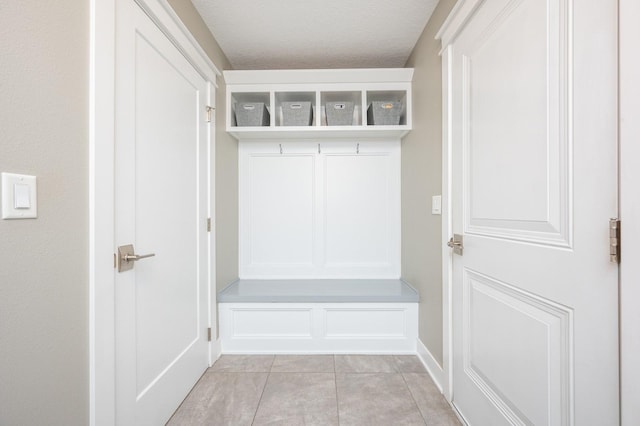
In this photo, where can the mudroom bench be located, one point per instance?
(318, 316)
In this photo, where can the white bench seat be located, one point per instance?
(318, 291)
(318, 316)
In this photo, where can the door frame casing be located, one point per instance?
(102, 59)
(455, 22)
(629, 199)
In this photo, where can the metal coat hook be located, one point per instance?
(358, 148)
(318, 148)
(280, 148)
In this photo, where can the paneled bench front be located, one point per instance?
(318, 316)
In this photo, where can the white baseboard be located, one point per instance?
(216, 351)
(430, 363)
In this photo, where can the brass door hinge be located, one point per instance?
(209, 225)
(209, 110)
(614, 240)
(209, 334)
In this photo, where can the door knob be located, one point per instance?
(127, 257)
(134, 257)
(456, 244)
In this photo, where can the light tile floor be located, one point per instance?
(315, 390)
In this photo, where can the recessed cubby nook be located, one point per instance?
(293, 93)
(241, 101)
(387, 100)
(295, 109)
(319, 214)
(341, 108)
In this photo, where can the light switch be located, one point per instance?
(436, 204)
(19, 196)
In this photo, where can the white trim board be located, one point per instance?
(449, 30)
(629, 152)
(101, 215)
(447, 311)
(321, 76)
(430, 363)
(216, 351)
(437, 374)
(101, 188)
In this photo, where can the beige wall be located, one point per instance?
(44, 71)
(422, 178)
(44, 337)
(226, 219)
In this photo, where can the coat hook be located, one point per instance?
(318, 148)
(280, 148)
(358, 148)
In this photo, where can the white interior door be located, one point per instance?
(535, 298)
(161, 207)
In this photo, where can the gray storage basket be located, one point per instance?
(297, 114)
(339, 113)
(384, 113)
(252, 114)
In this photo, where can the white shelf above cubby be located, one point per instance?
(357, 86)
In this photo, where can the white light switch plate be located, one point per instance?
(436, 204)
(19, 196)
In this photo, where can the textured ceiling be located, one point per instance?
(292, 34)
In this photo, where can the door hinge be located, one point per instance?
(209, 109)
(614, 240)
(209, 334)
(209, 225)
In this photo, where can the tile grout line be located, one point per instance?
(263, 389)
(189, 394)
(335, 382)
(404, 380)
(413, 397)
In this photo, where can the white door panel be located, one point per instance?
(534, 184)
(161, 207)
(515, 103)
